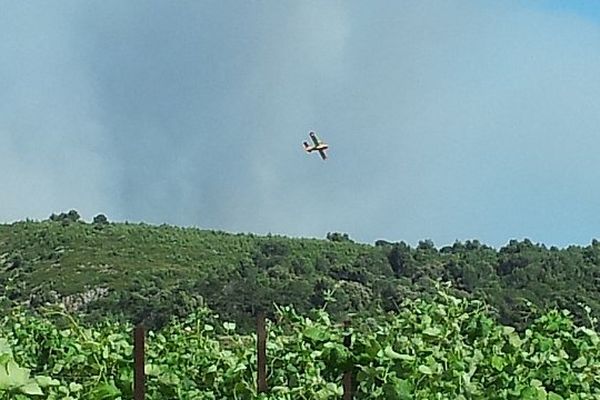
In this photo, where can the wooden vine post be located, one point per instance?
(261, 347)
(138, 354)
(347, 383)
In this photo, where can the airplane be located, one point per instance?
(318, 145)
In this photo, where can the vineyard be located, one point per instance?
(441, 348)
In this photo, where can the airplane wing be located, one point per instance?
(323, 155)
(313, 136)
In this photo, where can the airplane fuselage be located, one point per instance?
(318, 147)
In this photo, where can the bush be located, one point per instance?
(66, 218)
(100, 219)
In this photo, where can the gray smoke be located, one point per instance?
(446, 120)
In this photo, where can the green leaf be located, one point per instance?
(315, 333)
(211, 369)
(424, 369)
(507, 330)
(498, 362)
(405, 389)
(398, 389)
(44, 381)
(529, 393)
(5, 347)
(105, 391)
(229, 326)
(31, 388)
(390, 353)
(5, 381)
(433, 332)
(334, 389)
(75, 387)
(152, 370)
(536, 383)
(580, 362)
(514, 340)
(593, 335)
(15, 375)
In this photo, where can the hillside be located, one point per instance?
(152, 273)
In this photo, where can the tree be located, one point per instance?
(100, 219)
(338, 237)
(383, 243)
(401, 260)
(73, 216)
(66, 218)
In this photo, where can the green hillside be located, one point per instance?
(154, 273)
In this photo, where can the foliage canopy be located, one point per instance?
(150, 273)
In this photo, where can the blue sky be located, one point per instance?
(582, 8)
(447, 120)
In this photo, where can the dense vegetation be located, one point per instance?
(152, 273)
(442, 348)
(71, 292)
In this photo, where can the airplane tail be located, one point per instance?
(305, 145)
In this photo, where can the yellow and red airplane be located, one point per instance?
(318, 146)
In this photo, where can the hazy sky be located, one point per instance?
(447, 120)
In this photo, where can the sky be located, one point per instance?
(447, 120)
